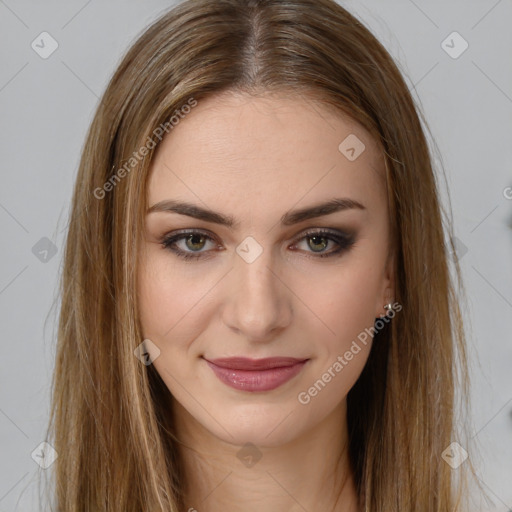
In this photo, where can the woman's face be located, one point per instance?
(267, 273)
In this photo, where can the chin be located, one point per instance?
(264, 425)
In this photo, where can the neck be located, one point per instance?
(312, 472)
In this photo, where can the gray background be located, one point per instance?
(46, 106)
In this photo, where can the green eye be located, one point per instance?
(321, 241)
(318, 241)
(195, 240)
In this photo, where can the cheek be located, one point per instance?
(170, 302)
(343, 303)
(346, 307)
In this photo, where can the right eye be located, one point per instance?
(194, 241)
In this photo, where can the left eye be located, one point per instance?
(318, 241)
(195, 241)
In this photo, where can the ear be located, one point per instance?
(387, 290)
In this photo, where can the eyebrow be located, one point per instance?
(288, 219)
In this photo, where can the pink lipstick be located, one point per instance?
(256, 374)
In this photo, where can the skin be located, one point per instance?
(255, 158)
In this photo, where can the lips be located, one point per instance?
(256, 374)
(244, 363)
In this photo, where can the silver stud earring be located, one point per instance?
(388, 307)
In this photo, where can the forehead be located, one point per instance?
(264, 154)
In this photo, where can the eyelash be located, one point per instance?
(344, 242)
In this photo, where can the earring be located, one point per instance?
(388, 307)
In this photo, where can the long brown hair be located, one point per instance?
(115, 443)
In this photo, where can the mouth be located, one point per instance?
(256, 374)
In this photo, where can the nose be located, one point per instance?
(259, 302)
